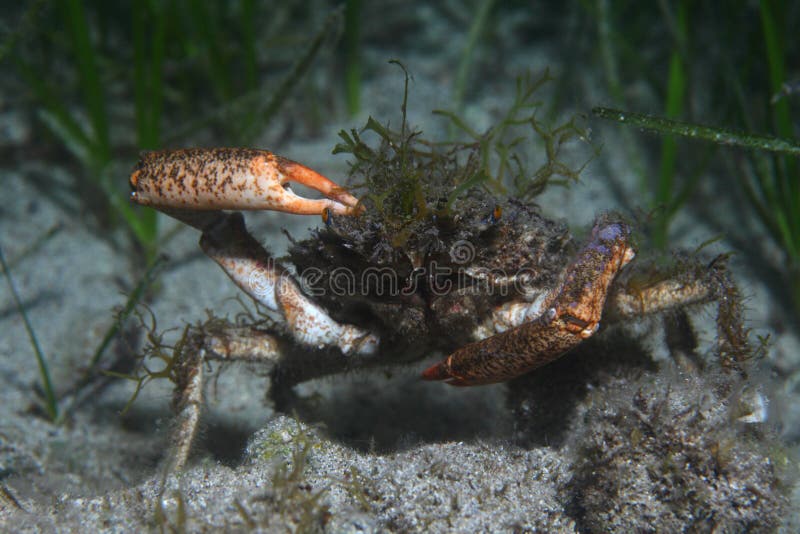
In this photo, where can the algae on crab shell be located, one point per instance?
(407, 180)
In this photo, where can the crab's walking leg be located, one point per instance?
(242, 344)
(231, 178)
(187, 400)
(571, 315)
(692, 283)
(201, 345)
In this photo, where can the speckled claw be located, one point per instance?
(572, 314)
(232, 179)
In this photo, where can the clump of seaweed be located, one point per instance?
(674, 453)
(410, 183)
(156, 349)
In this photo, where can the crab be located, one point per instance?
(494, 286)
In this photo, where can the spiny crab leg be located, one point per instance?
(571, 314)
(232, 179)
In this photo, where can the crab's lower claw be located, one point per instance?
(572, 314)
(232, 178)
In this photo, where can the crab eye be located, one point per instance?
(493, 217)
(326, 216)
(497, 212)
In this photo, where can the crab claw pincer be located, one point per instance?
(198, 179)
(571, 314)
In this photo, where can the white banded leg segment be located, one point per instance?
(244, 345)
(243, 259)
(251, 268)
(658, 297)
(256, 277)
(311, 325)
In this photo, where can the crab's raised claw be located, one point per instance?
(572, 314)
(232, 179)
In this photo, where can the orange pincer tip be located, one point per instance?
(436, 372)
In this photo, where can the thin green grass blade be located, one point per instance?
(156, 72)
(250, 52)
(199, 11)
(720, 136)
(148, 87)
(55, 114)
(352, 54)
(253, 104)
(476, 29)
(689, 184)
(143, 223)
(83, 152)
(607, 51)
(787, 176)
(610, 53)
(775, 61)
(93, 94)
(676, 92)
(140, 74)
(676, 95)
(266, 111)
(299, 68)
(51, 405)
(148, 78)
(756, 199)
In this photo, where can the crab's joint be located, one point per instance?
(232, 179)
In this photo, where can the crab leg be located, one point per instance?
(694, 283)
(252, 269)
(200, 346)
(231, 178)
(572, 314)
(226, 240)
